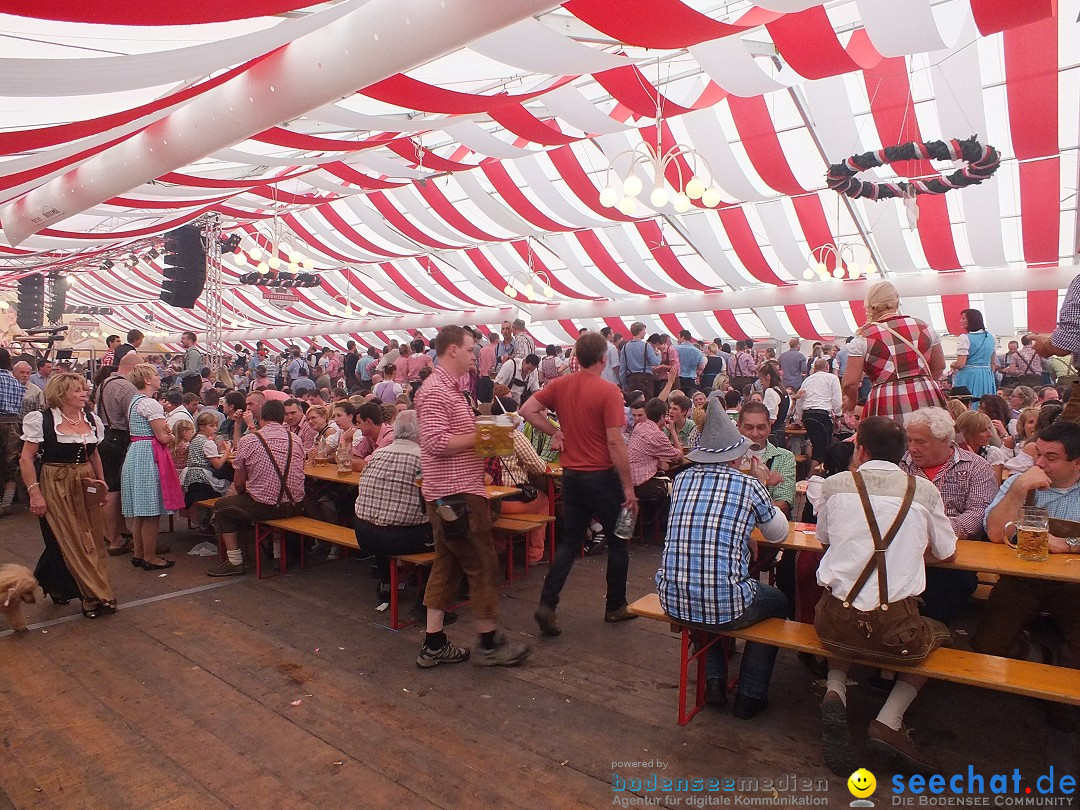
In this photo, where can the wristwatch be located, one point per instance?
(1074, 544)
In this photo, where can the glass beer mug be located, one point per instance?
(1032, 534)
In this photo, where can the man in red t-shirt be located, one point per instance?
(596, 472)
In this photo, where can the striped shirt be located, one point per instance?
(11, 393)
(967, 484)
(704, 573)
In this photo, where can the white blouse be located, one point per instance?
(857, 347)
(149, 409)
(34, 428)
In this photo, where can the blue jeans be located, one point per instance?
(586, 495)
(758, 659)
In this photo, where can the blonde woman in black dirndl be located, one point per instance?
(67, 496)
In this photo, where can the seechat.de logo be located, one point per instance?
(862, 784)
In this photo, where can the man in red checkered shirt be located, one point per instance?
(456, 502)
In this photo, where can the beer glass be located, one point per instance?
(1032, 534)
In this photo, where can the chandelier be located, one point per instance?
(271, 261)
(622, 193)
(844, 262)
(525, 280)
(346, 311)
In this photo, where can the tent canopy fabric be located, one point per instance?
(435, 191)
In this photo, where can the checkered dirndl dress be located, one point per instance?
(140, 487)
(897, 362)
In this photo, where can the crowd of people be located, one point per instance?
(691, 435)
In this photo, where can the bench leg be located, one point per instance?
(394, 595)
(688, 640)
(260, 533)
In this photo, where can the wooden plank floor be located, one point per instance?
(187, 701)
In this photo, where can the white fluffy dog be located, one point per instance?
(17, 585)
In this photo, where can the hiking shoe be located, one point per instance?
(545, 617)
(623, 614)
(226, 569)
(885, 740)
(334, 553)
(835, 740)
(449, 654)
(505, 654)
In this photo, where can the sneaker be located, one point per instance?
(226, 569)
(545, 618)
(505, 654)
(623, 614)
(885, 740)
(449, 654)
(835, 740)
(335, 553)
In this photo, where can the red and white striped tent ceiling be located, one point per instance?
(421, 192)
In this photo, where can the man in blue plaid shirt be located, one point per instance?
(11, 398)
(704, 577)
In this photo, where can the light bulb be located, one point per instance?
(362, 311)
(609, 197)
(255, 254)
(627, 206)
(838, 272)
(263, 268)
(3, 306)
(822, 269)
(240, 258)
(711, 198)
(853, 269)
(274, 262)
(293, 267)
(510, 291)
(69, 280)
(659, 197)
(95, 334)
(871, 270)
(632, 186)
(695, 188)
(682, 203)
(529, 291)
(306, 263)
(548, 291)
(808, 273)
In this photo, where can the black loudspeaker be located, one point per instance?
(185, 267)
(58, 287)
(31, 301)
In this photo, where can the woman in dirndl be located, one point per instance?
(900, 354)
(974, 363)
(67, 496)
(149, 485)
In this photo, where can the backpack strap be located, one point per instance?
(881, 544)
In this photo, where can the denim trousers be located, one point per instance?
(758, 659)
(587, 495)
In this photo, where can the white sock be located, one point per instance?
(837, 682)
(901, 696)
(235, 557)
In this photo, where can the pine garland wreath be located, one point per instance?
(980, 163)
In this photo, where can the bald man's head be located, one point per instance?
(128, 362)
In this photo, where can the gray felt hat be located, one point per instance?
(720, 440)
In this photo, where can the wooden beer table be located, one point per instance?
(329, 472)
(971, 555)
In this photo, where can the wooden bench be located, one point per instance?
(1044, 681)
(305, 527)
(397, 561)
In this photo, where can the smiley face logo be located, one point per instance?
(861, 783)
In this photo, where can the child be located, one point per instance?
(182, 433)
(204, 457)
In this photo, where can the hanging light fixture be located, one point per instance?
(622, 192)
(528, 280)
(843, 258)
